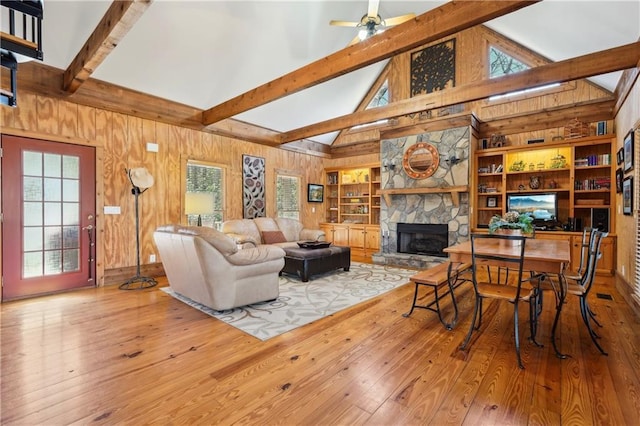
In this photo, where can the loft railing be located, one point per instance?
(23, 20)
(8, 97)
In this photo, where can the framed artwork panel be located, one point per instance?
(315, 193)
(627, 195)
(620, 156)
(628, 152)
(619, 178)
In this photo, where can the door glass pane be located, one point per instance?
(32, 264)
(32, 214)
(71, 213)
(71, 260)
(32, 163)
(52, 165)
(52, 190)
(52, 213)
(70, 167)
(70, 190)
(53, 262)
(71, 237)
(52, 237)
(32, 188)
(32, 238)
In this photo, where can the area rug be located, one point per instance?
(300, 303)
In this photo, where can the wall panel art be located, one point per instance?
(433, 68)
(253, 191)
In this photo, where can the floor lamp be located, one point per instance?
(141, 180)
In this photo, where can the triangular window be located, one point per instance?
(500, 63)
(381, 98)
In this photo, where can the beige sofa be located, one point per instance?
(278, 231)
(206, 266)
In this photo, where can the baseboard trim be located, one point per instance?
(120, 275)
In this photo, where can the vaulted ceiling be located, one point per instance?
(204, 53)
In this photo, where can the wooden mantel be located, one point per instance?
(453, 190)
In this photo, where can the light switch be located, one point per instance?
(152, 147)
(111, 209)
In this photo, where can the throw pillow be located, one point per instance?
(272, 237)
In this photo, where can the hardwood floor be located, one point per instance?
(107, 356)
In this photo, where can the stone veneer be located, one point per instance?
(424, 208)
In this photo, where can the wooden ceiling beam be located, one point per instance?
(616, 59)
(114, 25)
(440, 22)
(41, 79)
(548, 118)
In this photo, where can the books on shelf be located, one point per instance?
(594, 183)
(594, 160)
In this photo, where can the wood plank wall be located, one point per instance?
(121, 141)
(629, 118)
(471, 65)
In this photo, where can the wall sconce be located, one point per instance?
(453, 160)
(389, 165)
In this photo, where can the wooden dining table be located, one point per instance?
(550, 257)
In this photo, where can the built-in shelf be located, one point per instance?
(453, 190)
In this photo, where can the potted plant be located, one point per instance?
(512, 220)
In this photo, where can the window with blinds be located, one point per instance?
(288, 196)
(204, 197)
(636, 206)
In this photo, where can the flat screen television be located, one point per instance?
(541, 206)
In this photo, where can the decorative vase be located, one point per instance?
(510, 231)
(534, 182)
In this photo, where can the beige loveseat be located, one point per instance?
(278, 231)
(206, 266)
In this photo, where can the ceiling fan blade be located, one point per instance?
(389, 22)
(355, 40)
(344, 23)
(373, 8)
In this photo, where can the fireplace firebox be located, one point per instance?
(422, 238)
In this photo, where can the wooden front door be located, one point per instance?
(48, 206)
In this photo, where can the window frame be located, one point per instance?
(220, 199)
(528, 58)
(293, 175)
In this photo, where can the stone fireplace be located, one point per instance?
(424, 201)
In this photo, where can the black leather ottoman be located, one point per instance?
(306, 262)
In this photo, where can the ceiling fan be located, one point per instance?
(371, 23)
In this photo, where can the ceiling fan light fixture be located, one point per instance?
(370, 29)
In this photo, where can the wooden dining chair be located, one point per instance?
(513, 292)
(547, 283)
(587, 237)
(500, 270)
(581, 286)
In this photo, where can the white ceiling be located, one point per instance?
(202, 53)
